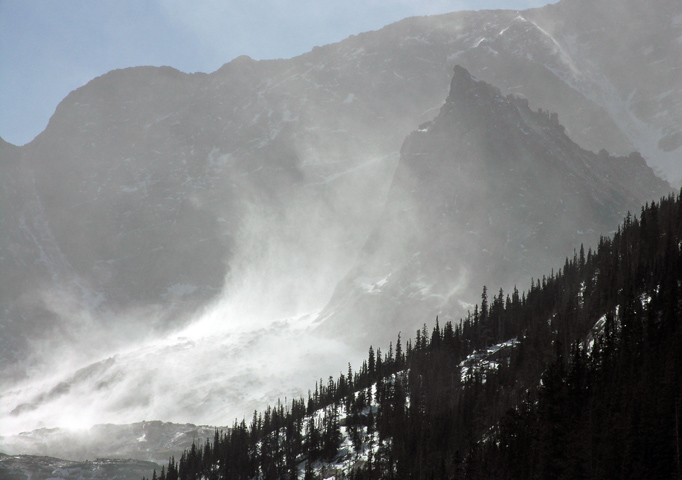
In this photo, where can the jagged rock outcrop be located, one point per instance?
(488, 193)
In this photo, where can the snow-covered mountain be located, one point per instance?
(164, 218)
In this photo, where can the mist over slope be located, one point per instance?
(205, 218)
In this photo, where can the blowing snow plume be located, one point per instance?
(171, 265)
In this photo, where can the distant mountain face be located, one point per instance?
(489, 192)
(152, 192)
(145, 441)
(21, 467)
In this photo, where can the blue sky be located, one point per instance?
(49, 48)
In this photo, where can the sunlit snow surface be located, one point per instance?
(481, 361)
(202, 375)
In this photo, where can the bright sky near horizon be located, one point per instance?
(49, 48)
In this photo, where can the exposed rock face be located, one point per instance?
(489, 192)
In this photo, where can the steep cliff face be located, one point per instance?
(489, 192)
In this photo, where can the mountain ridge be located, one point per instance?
(487, 167)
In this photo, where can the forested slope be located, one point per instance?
(579, 377)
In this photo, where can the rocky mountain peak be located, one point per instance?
(465, 86)
(475, 105)
(488, 191)
(471, 96)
